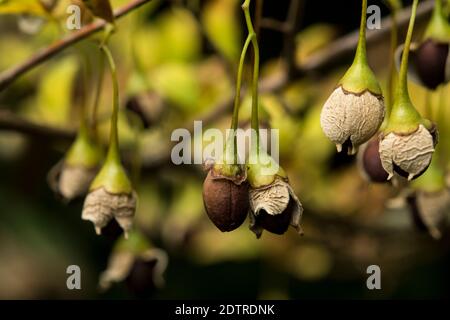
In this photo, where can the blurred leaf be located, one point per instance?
(30, 7)
(178, 83)
(221, 23)
(312, 39)
(54, 96)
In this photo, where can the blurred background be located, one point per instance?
(177, 60)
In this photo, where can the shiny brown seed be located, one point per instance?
(226, 202)
(430, 62)
(370, 162)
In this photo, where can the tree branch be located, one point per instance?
(9, 121)
(10, 75)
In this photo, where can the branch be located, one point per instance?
(10, 75)
(9, 121)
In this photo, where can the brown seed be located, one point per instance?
(370, 162)
(430, 62)
(226, 202)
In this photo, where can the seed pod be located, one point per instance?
(351, 117)
(101, 9)
(273, 204)
(355, 110)
(429, 211)
(137, 263)
(432, 62)
(74, 181)
(226, 198)
(110, 197)
(274, 208)
(407, 154)
(72, 176)
(101, 206)
(369, 162)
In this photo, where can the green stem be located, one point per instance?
(392, 70)
(237, 99)
(113, 151)
(361, 51)
(402, 93)
(254, 40)
(94, 123)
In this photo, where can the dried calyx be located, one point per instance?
(72, 176)
(430, 59)
(137, 263)
(273, 204)
(111, 195)
(355, 110)
(408, 140)
(430, 201)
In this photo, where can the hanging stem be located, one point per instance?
(113, 151)
(94, 123)
(402, 88)
(392, 70)
(361, 51)
(251, 31)
(237, 99)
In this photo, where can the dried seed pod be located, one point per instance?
(407, 154)
(429, 211)
(75, 180)
(72, 176)
(369, 162)
(137, 263)
(101, 206)
(355, 110)
(225, 198)
(274, 208)
(351, 117)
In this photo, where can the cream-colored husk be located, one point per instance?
(274, 200)
(75, 181)
(412, 153)
(101, 206)
(348, 116)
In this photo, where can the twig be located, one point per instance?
(8, 76)
(9, 121)
(292, 22)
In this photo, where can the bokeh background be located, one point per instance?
(183, 55)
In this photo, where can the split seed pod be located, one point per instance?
(273, 204)
(72, 176)
(408, 140)
(430, 203)
(225, 196)
(111, 196)
(137, 263)
(355, 110)
(407, 154)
